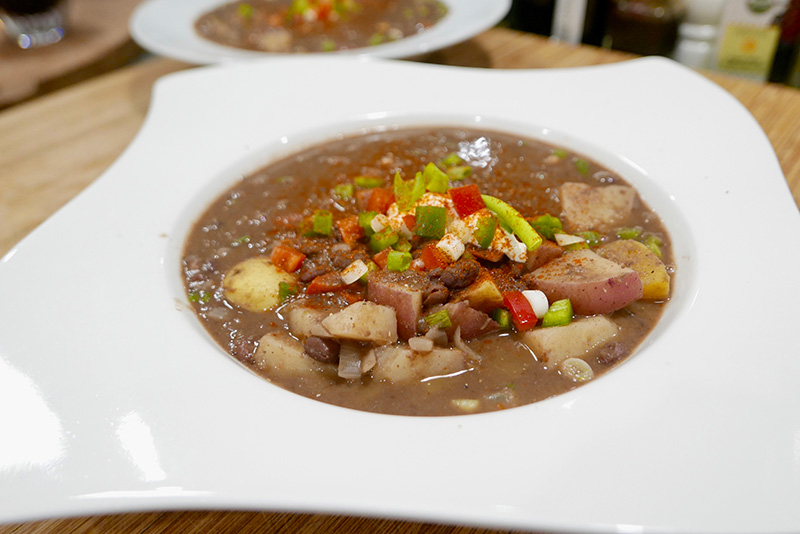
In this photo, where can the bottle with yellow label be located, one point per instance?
(749, 37)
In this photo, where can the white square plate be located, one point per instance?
(113, 399)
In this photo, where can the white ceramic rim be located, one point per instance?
(120, 403)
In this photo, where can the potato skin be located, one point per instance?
(593, 284)
(636, 255)
(253, 284)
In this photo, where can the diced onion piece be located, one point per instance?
(568, 239)
(353, 272)
(420, 344)
(368, 361)
(379, 222)
(404, 231)
(349, 361)
(451, 246)
(466, 405)
(577, 370)
(438, 336)
(538, 301)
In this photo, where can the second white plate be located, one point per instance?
(166, 27)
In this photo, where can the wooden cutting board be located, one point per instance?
(96, 41)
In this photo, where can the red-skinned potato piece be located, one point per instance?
(547, 252)
(473, 323)
(403, 291)
(593, 284)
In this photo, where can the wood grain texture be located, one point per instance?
(56, 145)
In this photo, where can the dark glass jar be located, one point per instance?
(646, 27)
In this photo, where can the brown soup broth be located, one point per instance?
(268, 206)
(323, 26)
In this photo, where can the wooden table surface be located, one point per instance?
(54, 146)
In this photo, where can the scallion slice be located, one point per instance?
(398, 261)
(439, 319)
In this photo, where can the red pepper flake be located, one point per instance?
(467, 200)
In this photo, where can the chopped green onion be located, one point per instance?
(398, 261)
(323, 222)
(502, 317)
(511, 217)
(383, 239)
(343, 191)
(286, 290)
(403, 245)
(629, 233)
(459, 173)
(436, 181)
(242, 241)
(406, 195)
(485, 230)
(376, 39)
(559, 314)
(365, 221)
(439, 319)
(592, 238)
(245, 11)
(654, 244)
(431, 221)
(328, 45)
(371, 266)
(547, 225)
(560, 153)
(200, 296)
(582, 165)
(451, 160)
(368, 182)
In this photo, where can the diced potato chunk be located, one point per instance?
(635, 255)
(596, 208)
(483, 295)
(253, 284)
(364, 321)
(305, 321)
(280, 351)
(556, 344)
(397, 363)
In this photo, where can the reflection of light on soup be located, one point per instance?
(389, 272)
(297, 26)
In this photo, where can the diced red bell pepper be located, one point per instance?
(325, 283)
(467, 200)
(350, 230)
(521, 311)
(381, 258)
(287, 258)
(380, 199)
(410, 221)
(433, 258)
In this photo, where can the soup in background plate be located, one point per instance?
(303, 26)
(429, 271)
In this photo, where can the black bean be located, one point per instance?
(460, 274)
(322, 349)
